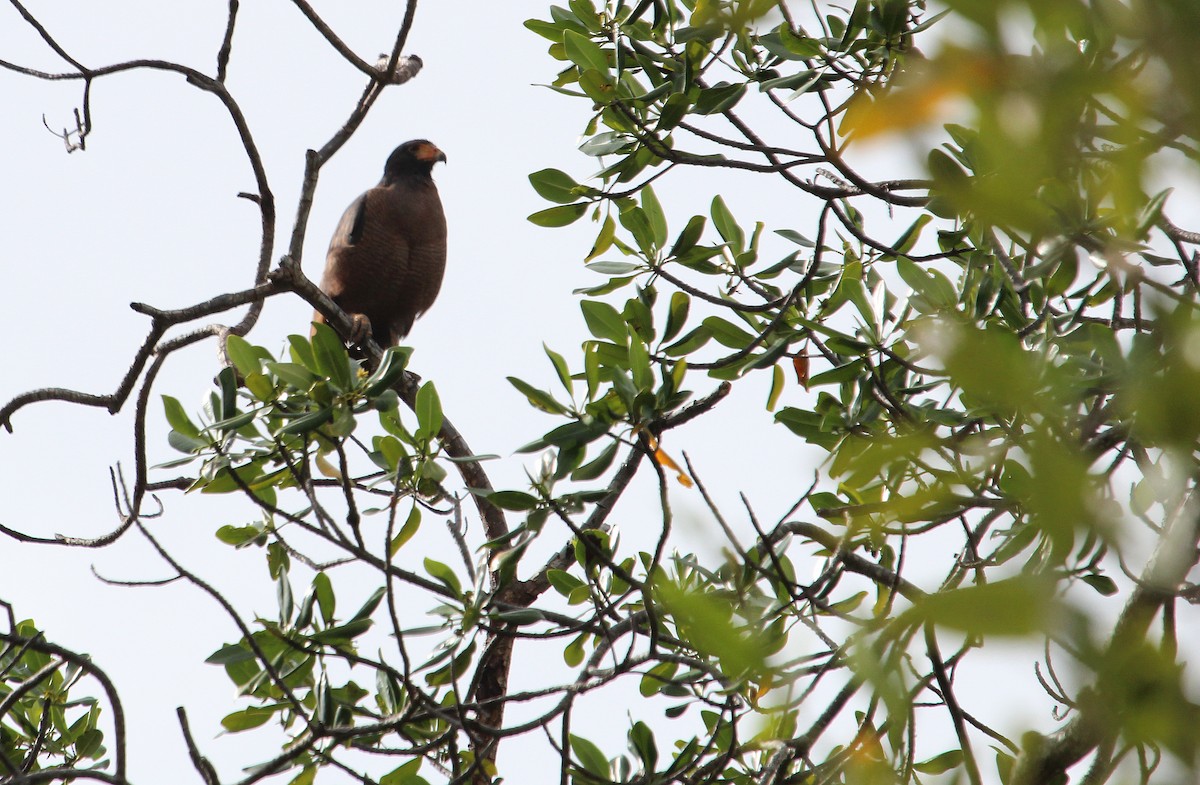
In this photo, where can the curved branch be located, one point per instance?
(161, 321)
(85, 664)
(337, 43)
(1176, 233)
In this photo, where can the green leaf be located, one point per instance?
(513, 500)
(569, 435)
(247, 719)
(238, 535)
(521, 616)
(719, 98)
(590, 757)
(585, 12)
(326, 600)
(283, 596)
(278, 560)
(1150, 214)
(597, 86)
(370, 605)
(343, 633)
(560, 367)
(406, 774)
(178, 419)
(728, 227)
(308, 422)
(776, 348)
(410, 527)
(562, 215)
(639, 364)
(907, 240)
(842, 373)
(795, 237)
(90, 741)
(233, 423)
(242, 355)
(636, 221)
(677, 314)
(605, 143)
(224, 480)
(690, 342)
(929, 22)
(614, 268)
(941, 763)
(801, 81)
(727, 333)
(604, 240)
(784, 43)
(1006, 762)
(1103, 584)
(429, 410)
(948, 174)
(655, 216)
(604, 321)
(777, 387)
(343, 421)
(539, 399)
(443, 574)
(657, 678)
(689, 236)
(391, 368)
(554, 185)
(673, 110)
(849, 288)
(810, 426)
(919, 280)
(306, 776)
(642, 741)
(230, 653)
(302, 352)
(454, 669)
(612, 285)
(597, 466)
(584, 52)
(573, 655)
(563, 582)
(293, 374)
(331, 357)
(259, 387)
(591, 367)
(554, 33)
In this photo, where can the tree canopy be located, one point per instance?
(991, 345)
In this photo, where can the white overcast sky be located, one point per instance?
(149, 213)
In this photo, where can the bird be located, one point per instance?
(387, 256)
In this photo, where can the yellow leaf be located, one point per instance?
(326, 468)
(665, 461)
(920, 97)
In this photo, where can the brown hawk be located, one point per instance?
(386, 259)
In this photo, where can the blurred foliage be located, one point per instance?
(996, 352)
